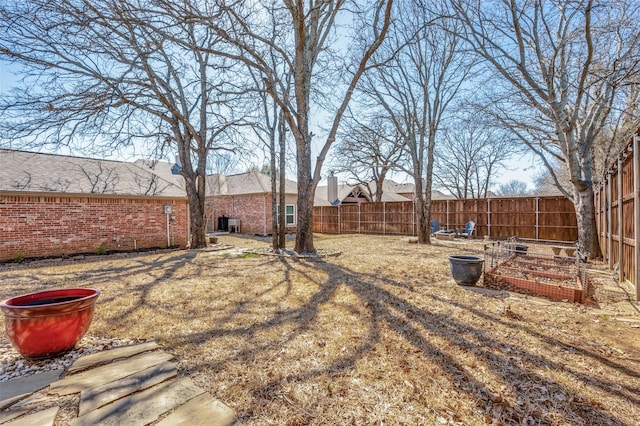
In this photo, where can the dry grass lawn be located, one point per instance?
(378, 335)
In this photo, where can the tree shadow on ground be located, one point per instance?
(464, 349)
(528, 392)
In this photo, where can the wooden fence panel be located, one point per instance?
(439, 211)
(557, 219)
(350, 219)
(325, 220)
(617, 200)
(628, 243)
(513, 217)
(400, 218)
(545, 218)
(371, 218)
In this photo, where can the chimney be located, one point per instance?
(332, 189)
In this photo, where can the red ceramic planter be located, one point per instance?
(48, 323)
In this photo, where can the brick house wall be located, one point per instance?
(51, 225)
(253, 210)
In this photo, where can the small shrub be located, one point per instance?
(19, 257)
(101, 250)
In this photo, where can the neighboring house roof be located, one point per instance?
(51, 173)
(344, 192)
(392, 191)
(397, 188)
(410, 188)
(244, 184)
(438, 195)
(161, 169)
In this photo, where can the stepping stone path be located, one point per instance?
(132, 385)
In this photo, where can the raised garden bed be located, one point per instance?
(539, 276)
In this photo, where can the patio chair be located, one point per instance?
(468, 229)
(435, 226)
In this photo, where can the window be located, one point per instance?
(290, 214)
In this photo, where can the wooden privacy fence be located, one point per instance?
(617, 201)
(540, 218)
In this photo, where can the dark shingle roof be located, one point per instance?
(35, 172)
(244, 184)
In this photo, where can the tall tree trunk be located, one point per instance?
(275, 231)
(588, 243)
(580, 171)
(423, 230)
(195, 194)
(282, 242)
(194, 185)
(428, 183)
(306, 192)
(304, 236)
(379, 184)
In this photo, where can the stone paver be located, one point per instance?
(143, 407)
(133, 385)
(201, 410)
(26, 385)
(9, 401)
(107, 373)
(12, 413)
(111, 355)
(33, 401)
(94, 398)
(41, 418)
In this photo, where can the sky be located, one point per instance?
(521, 168)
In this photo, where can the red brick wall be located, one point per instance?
(39, 226)
(254, 211)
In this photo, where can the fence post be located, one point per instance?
(384, 219)
(358, 218)
(603, 217)
(620, 228)
(537, 218)
(609, 224)
(489, 217)
(636, 220)
(413, 217)
(447, 214)
(339, 224)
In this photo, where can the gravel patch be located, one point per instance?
(13, 365)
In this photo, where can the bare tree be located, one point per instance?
(367, 152)
(561, 65)
(270, 128)
(513, 188)
(304, 35)
(471, 152)
(417, 88)
(545, 184)
(616, 133)
(112, 72)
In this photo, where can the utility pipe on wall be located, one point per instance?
(168, 235)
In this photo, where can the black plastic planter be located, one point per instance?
(466, 270)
